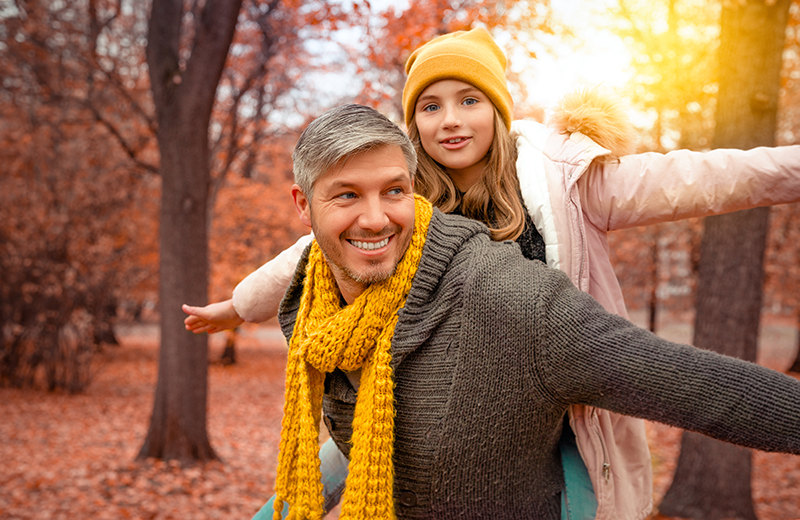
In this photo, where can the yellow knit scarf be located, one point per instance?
(325, 337)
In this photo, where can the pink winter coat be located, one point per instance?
(576, 200)
(576, 192)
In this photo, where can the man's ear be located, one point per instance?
(302, 205)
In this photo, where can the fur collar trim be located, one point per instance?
(602, 118)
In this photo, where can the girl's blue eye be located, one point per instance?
(430, 108)
(470, 101)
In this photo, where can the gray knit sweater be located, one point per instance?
(490, 350)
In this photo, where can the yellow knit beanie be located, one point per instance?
(469, 56)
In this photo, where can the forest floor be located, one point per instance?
(74, 456)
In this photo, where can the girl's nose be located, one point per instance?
(451, 118)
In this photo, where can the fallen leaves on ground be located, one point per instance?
(74, 456)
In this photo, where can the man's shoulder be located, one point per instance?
(500, 271)
(457, 250)
(468, 242)
(450, 237)
(456, 226)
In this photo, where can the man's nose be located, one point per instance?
(373, 215)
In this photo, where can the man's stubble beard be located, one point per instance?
(371, 276)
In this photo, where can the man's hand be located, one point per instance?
(214, 317)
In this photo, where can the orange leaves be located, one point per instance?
(73, 456)
(254, 219)
(657, 261)
(775, 475)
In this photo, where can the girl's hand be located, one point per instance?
(214, 317)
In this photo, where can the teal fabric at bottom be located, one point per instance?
(265, 513)
(333, 466)
(578, 502)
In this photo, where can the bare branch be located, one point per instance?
(116, 82)
(121, 140)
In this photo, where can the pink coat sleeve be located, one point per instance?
(257, 297)
(649, 188)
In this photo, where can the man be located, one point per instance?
(445, 362)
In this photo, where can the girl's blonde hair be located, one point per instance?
(495, 200)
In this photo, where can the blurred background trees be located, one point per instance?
(187, 46)
(77, 201)
(712, 480)
(673, 91)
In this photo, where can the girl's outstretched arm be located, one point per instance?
(649, 188)
(214, 317)
(254, 300)
(257, 297)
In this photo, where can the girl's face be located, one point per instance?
(456, 128)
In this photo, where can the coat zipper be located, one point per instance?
(596, 427)
(606, 473)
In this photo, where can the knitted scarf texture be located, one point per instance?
(358, 336)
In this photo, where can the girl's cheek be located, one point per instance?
(426, 140)
(425, 146)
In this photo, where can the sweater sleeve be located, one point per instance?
(257, 297)
(648, 188)
(588, 356)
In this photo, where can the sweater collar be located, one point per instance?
(446, 236)
(420, 317)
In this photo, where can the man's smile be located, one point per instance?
(370, 246)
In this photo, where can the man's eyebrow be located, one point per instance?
(341, 184)
(400, 177)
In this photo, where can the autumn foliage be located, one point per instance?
(79, 208)
(77, 214)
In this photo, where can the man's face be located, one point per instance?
(362, 214)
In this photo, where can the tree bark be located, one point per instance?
(654, 281)
(183, 98)
(712, 479)
(796, 365)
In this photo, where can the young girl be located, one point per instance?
(557, 191)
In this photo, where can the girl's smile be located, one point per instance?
(456, 128)
(455, 143)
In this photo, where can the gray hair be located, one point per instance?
(343, 132)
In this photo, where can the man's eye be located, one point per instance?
(396, 191)
(346, 196)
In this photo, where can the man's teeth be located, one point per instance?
(369, 246)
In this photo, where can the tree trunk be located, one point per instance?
(654, 280)
(796, 365)
(228, 356)
(183, 97)
(712, 479)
